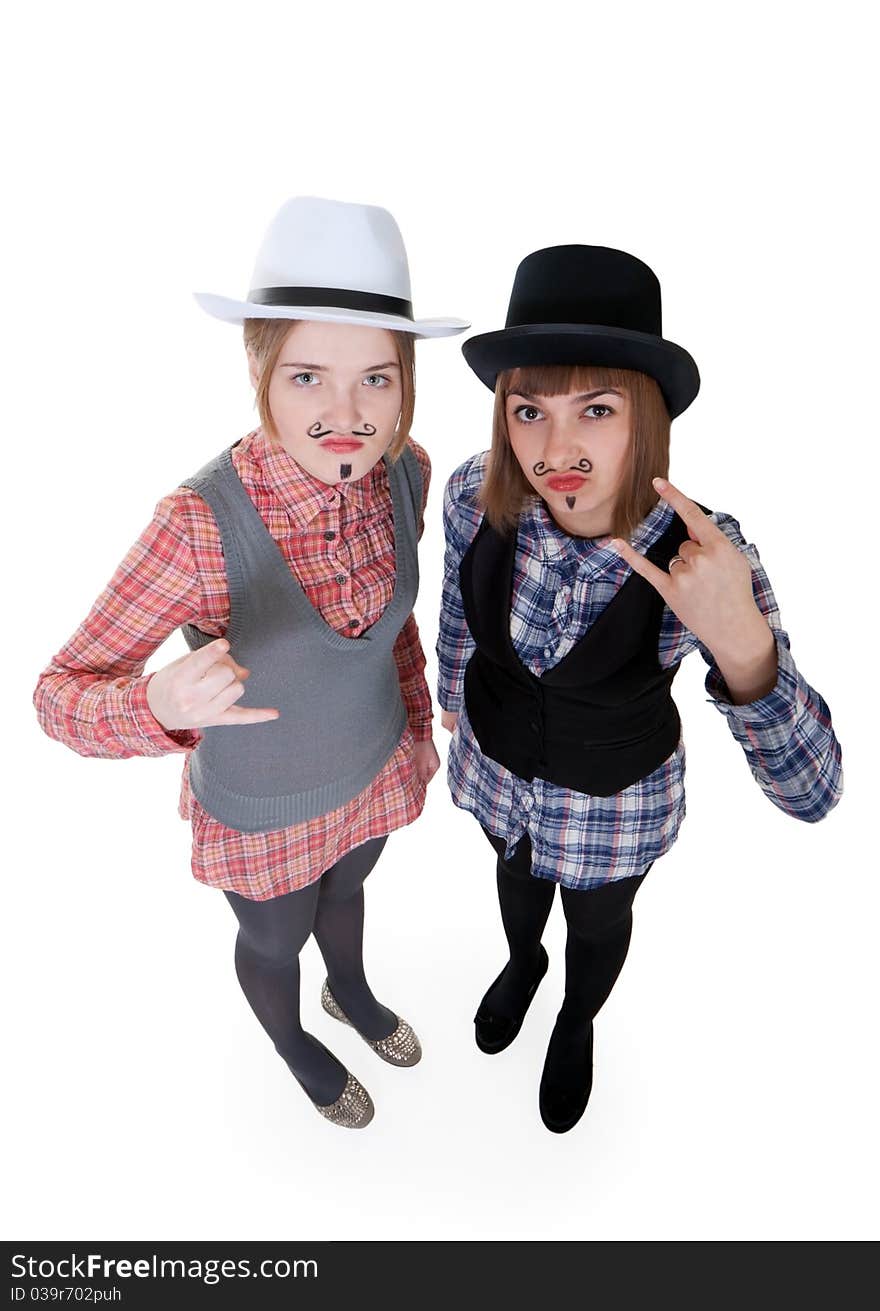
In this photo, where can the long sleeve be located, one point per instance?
(413, 686)
(92, 696)
(461, 519)
(786, 736)
(408, 651)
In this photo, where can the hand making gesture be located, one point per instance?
(199, 689)
(709, 587)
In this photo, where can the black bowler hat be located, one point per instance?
(586, 305)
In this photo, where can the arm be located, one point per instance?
(413, 688)
(93, 695)
(408, 651)
(781, 723)
(785, 732)
(461, 519)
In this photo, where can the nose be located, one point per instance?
(563, 444)
(342, 414)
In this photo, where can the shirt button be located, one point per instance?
(354, 623)
(547, 651)
(340, 578)
(329, 535)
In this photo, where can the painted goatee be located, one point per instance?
(345, 471)
(569, 501)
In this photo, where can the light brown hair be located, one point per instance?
(505, 486)
(263, 338)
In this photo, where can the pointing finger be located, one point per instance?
(700, 526)
(639, 565)
(246, 715)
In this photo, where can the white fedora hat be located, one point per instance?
(333, 262)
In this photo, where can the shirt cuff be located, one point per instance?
(421, 729)
(778, 705)
(417, 703)
(450, 693)
(145, 724)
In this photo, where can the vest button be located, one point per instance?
(533, 725)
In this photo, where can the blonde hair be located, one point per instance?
(263, 339)
(505, 487)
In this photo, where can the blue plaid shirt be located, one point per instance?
(561, 585)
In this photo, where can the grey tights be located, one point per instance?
(271, 935)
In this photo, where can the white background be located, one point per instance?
(735, 1090)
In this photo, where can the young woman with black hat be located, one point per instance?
(289, 562)
(571, 595)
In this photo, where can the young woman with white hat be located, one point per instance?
(577, 578)
(290, 563)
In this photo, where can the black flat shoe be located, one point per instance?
(494, 1032)
(566, 1084)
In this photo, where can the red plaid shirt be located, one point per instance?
(339, 542)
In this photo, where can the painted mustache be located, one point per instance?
(583, 466)
(317, 432)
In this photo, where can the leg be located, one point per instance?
(599, 930)
(339, 931)
(270, 937)
(525, 903)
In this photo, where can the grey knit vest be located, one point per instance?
(342, 715)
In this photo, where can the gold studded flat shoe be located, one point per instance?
(353, 1108)
(401, 1047)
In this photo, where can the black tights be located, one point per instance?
(271, 935)
(599, 924)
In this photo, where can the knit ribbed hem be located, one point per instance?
(253, 814)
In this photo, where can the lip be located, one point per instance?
(568, 482)
(341, 445)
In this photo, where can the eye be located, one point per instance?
(606, 408)
(526, 413)
(304, 379)
(377, 380)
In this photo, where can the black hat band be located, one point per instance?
(334, 297)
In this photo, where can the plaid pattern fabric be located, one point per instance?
(339, 542)
(561, 585)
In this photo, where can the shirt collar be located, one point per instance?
(554, 544)
(652, 527)
(303, 495)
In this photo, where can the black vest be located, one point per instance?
(600, 719)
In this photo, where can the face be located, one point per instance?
(335, 395)
(572, 450)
